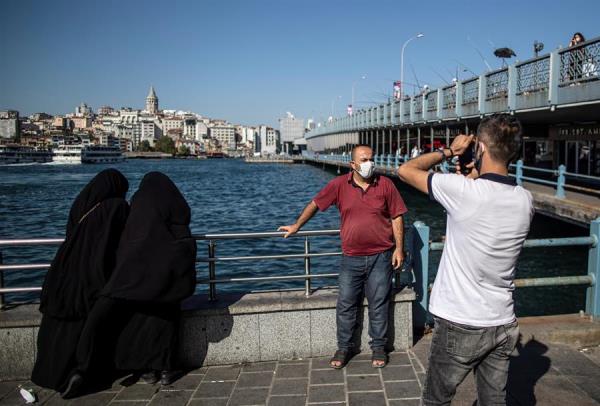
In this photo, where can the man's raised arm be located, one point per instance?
(306, 215)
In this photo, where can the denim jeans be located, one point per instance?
(360, 276)
(456, 349)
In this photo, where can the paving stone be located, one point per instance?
(171, 398)
(228, 373)
(6, 387)
(13, 397)
(247, 396)
(361, 368)
(398, 358)
(129, 403)
(326, 393)
(294, 400)
(214, 390)
(366, 399)
(358, 383)
(399, 373)
(294, 362)
(94, 399)
(209, 402)
(421, 377)
(406, 402)
(326, 376)
(198, 371)
(291, 370)
(255, 379)
(259, 367)
(401, 390)
(187, 382)
(321, 363)
(138, 391)
(290, 386)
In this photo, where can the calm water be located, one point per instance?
(232, 196)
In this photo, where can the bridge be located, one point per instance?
(556, 96)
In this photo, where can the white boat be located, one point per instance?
(92, 154)
(21, 154)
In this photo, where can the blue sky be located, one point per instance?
(251, 61)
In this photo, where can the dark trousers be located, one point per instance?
(360, 276)
(457, 349)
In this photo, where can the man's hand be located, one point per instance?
(289, 230)
(472, 174)
(397, 258)
(461, 143)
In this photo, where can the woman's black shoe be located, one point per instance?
(150, 377)
(168, 377)
(73, 386)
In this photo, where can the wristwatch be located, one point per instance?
(444, 157)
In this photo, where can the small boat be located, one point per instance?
(21, 154)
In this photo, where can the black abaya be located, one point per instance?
(79, 271)
(155, 271)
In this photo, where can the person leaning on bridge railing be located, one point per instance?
(372, 230)
(472, 298)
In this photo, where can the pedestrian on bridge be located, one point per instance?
(488, 218)
(372, 236)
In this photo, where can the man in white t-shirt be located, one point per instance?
(472, 297)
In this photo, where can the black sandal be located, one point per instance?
(379, 355)
(341, 356)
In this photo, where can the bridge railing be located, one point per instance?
(561, 78)
(419, 249)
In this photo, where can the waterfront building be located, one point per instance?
(105, 110)
(9, 124)
(245, 135)
(267, 141)
(291, 128)
(147, 131)
(171, 123)
(224, 133)
(152, 102)
(189, 126)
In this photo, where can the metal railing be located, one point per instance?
(561, 182)
(419, 247)
(534, 75)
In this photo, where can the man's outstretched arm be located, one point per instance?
(306, 215)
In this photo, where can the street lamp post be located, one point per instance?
(419, 35)
(363, 77)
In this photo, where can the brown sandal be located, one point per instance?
(341, 356)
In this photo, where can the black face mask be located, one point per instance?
(478, 159)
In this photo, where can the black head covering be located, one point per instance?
(85, 260)
(105, 185)
(156, 256)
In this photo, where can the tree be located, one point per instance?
(165, 144)
(183, 150)
(144, 146)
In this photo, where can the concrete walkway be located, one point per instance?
(540, 374)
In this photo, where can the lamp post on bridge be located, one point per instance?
(363, 77)
(419, 35)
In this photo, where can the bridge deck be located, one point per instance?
(540, 373)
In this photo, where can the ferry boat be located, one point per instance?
(92, 154)
(21, 154)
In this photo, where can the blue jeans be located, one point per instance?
(457, 349)
(360, 276)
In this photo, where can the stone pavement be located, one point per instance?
(540, 374)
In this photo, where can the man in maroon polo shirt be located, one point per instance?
(372, 233)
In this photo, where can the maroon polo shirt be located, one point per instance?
(366, 227)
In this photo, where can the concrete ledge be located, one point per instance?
(233, 329)
(570, 329)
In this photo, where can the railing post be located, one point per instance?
(560, 183)
(513, 79)
(593, 292)
(482, 94)
(420, 255)
(553, 78)
(396, 160)
(212, 288)
(389, 161)
(519, 173)
(306, 266)
(1, 284)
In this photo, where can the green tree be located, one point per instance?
(165, 144)
(183, 150)
(144, 146)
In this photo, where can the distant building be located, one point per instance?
(82, 122)
(148, 131)
(83, 110)
(291, 128)
(224, 133)
(105, 110)
(267, 141)
(9, 124)
(171, 123)
(40, 116)
(152, 102)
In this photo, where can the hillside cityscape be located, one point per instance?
(169, 131)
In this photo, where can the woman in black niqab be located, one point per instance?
(155, 271)
(82, 266)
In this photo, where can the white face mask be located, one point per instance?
(366, 169)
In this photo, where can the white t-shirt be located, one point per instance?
(488, 220)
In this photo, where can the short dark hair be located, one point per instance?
(501, 134)
(354, 148)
